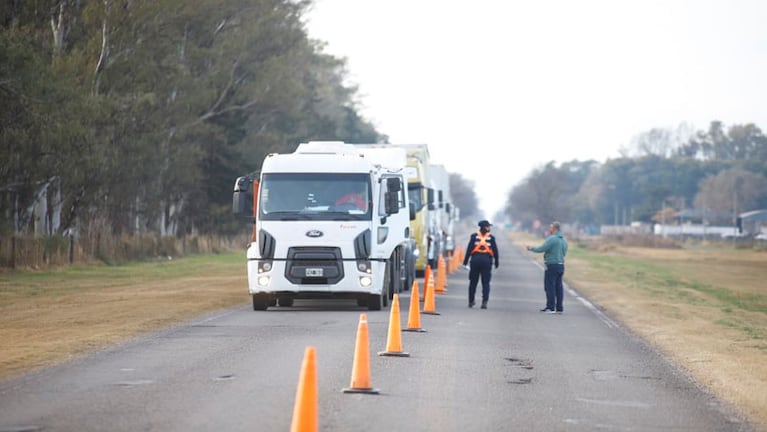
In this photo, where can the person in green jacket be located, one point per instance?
(554, 250)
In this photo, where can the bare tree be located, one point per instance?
(731, 190)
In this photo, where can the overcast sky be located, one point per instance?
(499, 88)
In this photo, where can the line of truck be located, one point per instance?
(341, 220)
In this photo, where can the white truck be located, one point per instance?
(447, 213)
(421, 195)
(329, 222)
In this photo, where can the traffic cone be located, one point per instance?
(427, 276)
(429, 307)
(394, 338)
(414, 318)
(441, 276)
(361, 367)
(454, 258)
(305, 418)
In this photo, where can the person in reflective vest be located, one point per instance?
(482, 252)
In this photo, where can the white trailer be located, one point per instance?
(325, 226)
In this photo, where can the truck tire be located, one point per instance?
(375, 302)
(285, 301)
(260, 302)
(389, 281)
(409, 270)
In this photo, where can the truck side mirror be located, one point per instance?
(240, 196)
(430, 199)
(393, 184)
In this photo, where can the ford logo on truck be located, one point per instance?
(314, 233)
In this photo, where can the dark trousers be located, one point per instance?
(552, 279)
(480, 265)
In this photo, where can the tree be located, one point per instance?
(659, 142)
(543, 195)
(738, 143)
(464, 195)
(146, 111)
(732, 190)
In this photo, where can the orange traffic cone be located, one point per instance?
(427, 276)
(429, 307)
(305, 418)
(441, 276)
(394, 339)
(414, 318)
(361, 367)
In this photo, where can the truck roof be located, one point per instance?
(388, 157)
(319, 156)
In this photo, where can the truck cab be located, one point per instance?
(323, 227)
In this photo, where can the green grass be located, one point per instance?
(33, 282)
(664, 281)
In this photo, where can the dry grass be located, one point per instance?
(47, 317)
(706, 308)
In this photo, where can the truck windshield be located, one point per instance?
(315, 196)
(414, 195)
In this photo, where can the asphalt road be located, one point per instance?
(506, 368)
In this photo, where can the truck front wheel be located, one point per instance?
(260, 302)
(375, 302)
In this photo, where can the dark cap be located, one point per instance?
(484, 223)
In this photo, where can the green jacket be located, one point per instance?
(554, 249)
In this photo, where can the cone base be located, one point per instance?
(361, 390)
(431, 313)
(419, 330)
(394, 354)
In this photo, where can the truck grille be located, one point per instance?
(314, 265)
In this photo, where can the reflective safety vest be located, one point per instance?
(352, 198)
(481, 246)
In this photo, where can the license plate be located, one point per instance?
(314, 272)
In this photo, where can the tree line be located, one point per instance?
(131, 116)
(721, 171)
(135, 116)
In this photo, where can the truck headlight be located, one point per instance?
(363, 266)
(264, 280)
(366, 281)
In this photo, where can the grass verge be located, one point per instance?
(50, 316)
